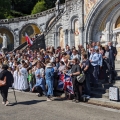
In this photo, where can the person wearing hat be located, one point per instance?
(8, 77)
(49, 73)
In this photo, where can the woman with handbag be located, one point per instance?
(77, 87)
(85, 68)
(4, 84)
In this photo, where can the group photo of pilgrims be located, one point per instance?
(70, 70)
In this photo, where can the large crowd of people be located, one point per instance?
(46, 71)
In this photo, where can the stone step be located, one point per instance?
(117, 62)
(117, 82)
(117, 85)
(105, 86)
(99, 95)
(104, 102)
(101, 90)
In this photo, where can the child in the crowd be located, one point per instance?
(56, 77)
(30, 80)
(67, 72)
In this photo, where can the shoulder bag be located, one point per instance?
(81, 78)
(3, 82)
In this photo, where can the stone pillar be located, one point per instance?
(71, 39)
(57, 39)
(114, 39)
(66, 37)
(81, 42)
(107, 37)
(16, 39)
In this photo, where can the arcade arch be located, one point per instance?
(31, 29)
(10, 38)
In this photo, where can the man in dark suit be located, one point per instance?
(113, 53)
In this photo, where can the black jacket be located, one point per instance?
(9, 77)
(113, 51)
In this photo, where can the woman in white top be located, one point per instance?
(23, 84)
(62, 66)
(16, 75)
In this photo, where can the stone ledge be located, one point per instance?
(104, 102)
(95, 101)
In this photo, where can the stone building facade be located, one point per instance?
(81, 22)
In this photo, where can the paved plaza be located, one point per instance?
(31, 107)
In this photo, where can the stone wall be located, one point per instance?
(73, 11)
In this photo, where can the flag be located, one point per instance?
(65, 83)
(29, 41)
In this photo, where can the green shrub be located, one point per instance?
(39, 7)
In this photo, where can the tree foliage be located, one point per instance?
(17, 8)
(23, 6)
(4, 8)
(39, 7)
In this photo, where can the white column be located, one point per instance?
(56, 39)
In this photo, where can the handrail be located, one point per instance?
(54, 21)
(25, 44)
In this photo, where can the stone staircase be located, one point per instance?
(103, 88)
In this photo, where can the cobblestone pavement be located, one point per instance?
(31, 107)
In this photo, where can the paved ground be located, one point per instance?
(30, 107)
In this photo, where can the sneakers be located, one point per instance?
(7, 103)
(3, 103)
(74, 100)
(86, 96)
(51, 98)
(48, 99)
(77, 101)
(39, 95)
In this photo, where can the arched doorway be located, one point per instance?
(98, 25)
(61, 37)
(117, 27)
(31, 30)
(10, 38)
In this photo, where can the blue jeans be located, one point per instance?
(30, 85)
(50, 87)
